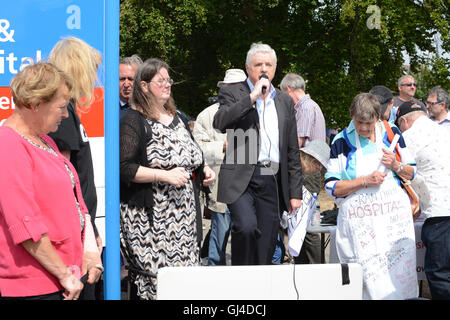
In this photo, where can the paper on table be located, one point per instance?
(299, 221)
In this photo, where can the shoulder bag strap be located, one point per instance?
(390, 134)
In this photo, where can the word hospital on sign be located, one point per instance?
(9, 61)
(374, 209)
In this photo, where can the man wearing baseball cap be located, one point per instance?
(429, 144)
(386, 99)
(213, 144)
(406, 108)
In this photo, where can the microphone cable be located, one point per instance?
(278, 195)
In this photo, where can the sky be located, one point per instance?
(437, 44)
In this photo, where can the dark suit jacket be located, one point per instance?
(123, 109)
(237, 112)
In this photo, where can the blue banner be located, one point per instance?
(30, 28)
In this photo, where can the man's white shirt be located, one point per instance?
(429, 144)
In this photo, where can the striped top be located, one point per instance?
(310, 120)
(342, 163)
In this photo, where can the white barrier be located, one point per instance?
(98, 159)
(272, 282)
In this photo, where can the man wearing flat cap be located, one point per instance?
(430, 146)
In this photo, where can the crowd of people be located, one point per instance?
(247, 158)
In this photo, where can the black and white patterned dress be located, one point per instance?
(171, 238)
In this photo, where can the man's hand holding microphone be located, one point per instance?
(260, 89)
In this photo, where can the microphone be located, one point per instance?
(263, 90)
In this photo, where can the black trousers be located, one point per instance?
(436, 238)
(255, 218)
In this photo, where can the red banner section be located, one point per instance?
(92, 118)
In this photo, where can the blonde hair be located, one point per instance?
(81, 61)
(38, 83)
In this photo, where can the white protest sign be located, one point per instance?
(299, 221)
(375, 229)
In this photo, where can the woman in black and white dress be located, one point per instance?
(162, 171)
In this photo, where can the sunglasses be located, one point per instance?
(433, 103)
(409, 84)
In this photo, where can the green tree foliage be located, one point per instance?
(435, 71)
(340, 47)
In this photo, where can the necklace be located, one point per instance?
(36, 140)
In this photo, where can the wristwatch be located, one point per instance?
(400, 168)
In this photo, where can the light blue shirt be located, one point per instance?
(393, 115)
(268, 126)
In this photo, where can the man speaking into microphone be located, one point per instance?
(266, 180)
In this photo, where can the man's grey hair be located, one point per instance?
(400, 80)
(441, 94)
(293, 81)
(134, 59)
(260, 47)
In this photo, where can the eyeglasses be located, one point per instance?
(409, 84)
(163, 82)
(433, 103)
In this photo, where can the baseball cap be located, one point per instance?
(384, 96)
(408, 107)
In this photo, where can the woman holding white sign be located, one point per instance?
(375, 226)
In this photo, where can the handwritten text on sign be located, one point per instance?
(380, 225)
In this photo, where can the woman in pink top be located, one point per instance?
(44, 228)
